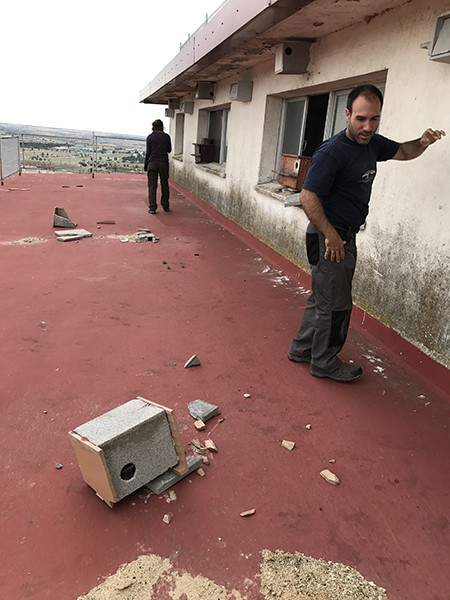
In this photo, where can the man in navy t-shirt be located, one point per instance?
(335, 198)
(156, 163)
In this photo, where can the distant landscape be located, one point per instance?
(76, 151)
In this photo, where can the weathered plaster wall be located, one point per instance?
(403, 275)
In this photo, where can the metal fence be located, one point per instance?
(9, 157)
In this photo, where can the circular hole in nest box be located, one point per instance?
(288, 50)
(128, 471)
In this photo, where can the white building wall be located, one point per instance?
(403, 275)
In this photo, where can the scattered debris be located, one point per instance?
(192, 362)
(221, 420)
(198, 447)
(58, 465)
(145, 237)
(203, 411)
(330, 477)
(182, 265)
(167, 518)
(124, 240)
(201, 472)
(288, 445)
(332, 461)
(170, 497)
(206, 461)
(72, 234)
(247, 513)
(164, 262)
(246, 395)
(144, 229)
(199, 425)
(79, 185)
(61, 218)
(308, 426)
(106, 222)
(210, 445)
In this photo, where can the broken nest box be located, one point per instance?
(127, 447)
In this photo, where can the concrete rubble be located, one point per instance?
(61, 218)
(330, 477)
(288, 445)
(192, 362)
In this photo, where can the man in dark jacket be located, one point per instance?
(157, 163)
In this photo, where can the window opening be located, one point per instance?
(179, 134)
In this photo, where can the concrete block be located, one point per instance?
(136, 444)
(202, 411)
(168, 479)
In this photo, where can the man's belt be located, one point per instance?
(343, 226)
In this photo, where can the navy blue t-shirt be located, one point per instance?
(342, 172)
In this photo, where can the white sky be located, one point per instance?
(81, 65)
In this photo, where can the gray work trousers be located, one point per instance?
(326, 318)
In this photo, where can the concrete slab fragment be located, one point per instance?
(168, 479)
(192, 362)
(202, 411)
(69, 232)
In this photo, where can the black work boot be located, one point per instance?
(344, 373)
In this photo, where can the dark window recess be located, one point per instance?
(315, 123)
(215, 132)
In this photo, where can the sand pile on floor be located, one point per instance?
(296, 576)
(27, 240)
(283, 577)
(145, 577)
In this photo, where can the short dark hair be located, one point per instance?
(157, 125)
(368, 91)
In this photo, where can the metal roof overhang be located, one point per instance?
(243, 34)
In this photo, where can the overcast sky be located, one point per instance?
(81, 65)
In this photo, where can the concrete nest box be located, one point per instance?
(127, 447)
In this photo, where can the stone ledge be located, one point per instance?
(274, 190)
(213, 168)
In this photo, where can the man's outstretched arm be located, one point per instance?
(414, 148)
(314, 211)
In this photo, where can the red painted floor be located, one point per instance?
(89, 325)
